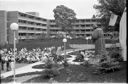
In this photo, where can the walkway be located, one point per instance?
(28, 68)
(25, 69)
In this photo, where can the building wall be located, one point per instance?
(12, 18)
(33, 13)
(30, 26)
(33, 27)
(3, 27)
(81, 27)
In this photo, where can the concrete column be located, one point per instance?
(12, 18)
(48, 29)
(3, 27)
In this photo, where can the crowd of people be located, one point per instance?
(31, 56)
(27, 56)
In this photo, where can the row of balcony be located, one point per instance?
(29, 31)
(77, 25)
(32, 26)
(81, 20)
(27, 37)
(27, 20)
(23, 15)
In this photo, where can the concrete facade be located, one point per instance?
(3, 27)
(33, 26)
(81, 27)
(11, 18)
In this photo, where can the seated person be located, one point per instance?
(79, 57)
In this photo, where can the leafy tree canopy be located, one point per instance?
(64, 17)
(106, 7)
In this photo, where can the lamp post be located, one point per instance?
(14, 28)
(87, 42)
(64, 40)
(87, 38)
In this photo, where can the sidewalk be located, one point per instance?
(25, 69)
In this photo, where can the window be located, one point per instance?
(82, 25)
(93, 20)
(83, 20)
(76, 25)
(88, 30)
(88, 34)
(87, 20)
(87, 25)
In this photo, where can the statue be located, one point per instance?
(98, 39)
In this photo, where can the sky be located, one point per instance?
(82, 8)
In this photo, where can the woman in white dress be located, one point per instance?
(12, 63)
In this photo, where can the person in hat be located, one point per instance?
(98, 39)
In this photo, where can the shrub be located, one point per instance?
(85, 63)
(65, 63)
(52, 66)
(79, 57)
(106, 63)
(49, 73)
(115, 52)
(50, 69)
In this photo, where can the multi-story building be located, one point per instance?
(81, 27)
(31, 26)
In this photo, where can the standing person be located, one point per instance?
(7, 60)
(2, 61)
(58, 52)
(12, 63)
(98, 39)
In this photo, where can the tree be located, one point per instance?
(106, 7)
(64, 17)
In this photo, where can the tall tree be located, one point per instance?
(106, 7)
(64, 17)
